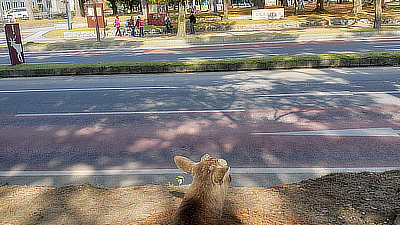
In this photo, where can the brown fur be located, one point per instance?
(204, 200)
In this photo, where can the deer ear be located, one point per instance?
(219, 173)
(205, 157)
(184, 164)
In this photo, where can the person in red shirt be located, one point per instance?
(117, 25)
(140, 25)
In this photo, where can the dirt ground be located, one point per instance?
(345, 198)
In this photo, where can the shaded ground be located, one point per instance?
(362, 198)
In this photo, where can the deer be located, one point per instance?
(13, 43)
(204, 200)
(18, 49)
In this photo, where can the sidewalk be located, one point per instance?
(36, 42)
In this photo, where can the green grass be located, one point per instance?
(160, 64)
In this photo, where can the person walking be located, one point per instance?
(117, 25)
(132, 26)
(167, 21)
(192, 20)
(140, 25)
(11, 19)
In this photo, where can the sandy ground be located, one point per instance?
(362, 198)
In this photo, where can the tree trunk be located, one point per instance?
(225, 3)
(378, 14)
(144, 9)
(83, 8)
(320, 6)
(357, 6)
(114, 7)
(77, 9)
(29, 9)
(259, 4)
(182, 19)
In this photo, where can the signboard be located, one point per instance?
(270, 2)
(90, 15)
(14, 43)
(156, 13)
(268, 14)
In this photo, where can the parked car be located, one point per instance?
(17, 13)
(242, 5)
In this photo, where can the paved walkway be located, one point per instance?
(201, 38)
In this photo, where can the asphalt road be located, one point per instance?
(271, 126)
(211, 52)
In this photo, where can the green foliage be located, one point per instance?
(183, 66)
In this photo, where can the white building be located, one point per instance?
(49, 7)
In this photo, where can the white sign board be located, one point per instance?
(270, 2)
(268, 14)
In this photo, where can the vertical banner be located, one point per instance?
(91, 20)
(14, 43)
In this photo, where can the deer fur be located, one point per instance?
(204, 201)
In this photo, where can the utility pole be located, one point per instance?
(67, 12)
(96, 21)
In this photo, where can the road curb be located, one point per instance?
(267, 63)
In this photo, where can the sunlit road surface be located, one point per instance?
(121, 131)
(226, 51)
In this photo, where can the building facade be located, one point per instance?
(49, 7)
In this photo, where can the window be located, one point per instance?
(22, 4)
(8, 5)
(15, 4)
(20, 10)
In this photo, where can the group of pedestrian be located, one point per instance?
(132, 24)
(139, 23)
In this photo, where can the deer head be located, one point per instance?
(209, 170)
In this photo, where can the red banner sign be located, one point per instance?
(14, 43)
(91, 19)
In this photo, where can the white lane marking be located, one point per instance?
(310, 94)
(367, 132)
(320, 171)
(84, 89)
(337, 93)
(126, 113)
(49, 62)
